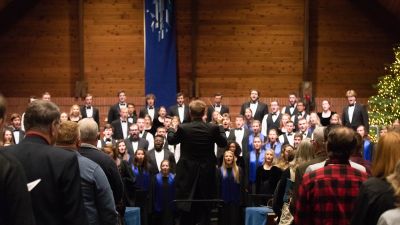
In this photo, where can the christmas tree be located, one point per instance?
(384, 107)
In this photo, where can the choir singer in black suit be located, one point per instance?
(195, 171)
(354, 114)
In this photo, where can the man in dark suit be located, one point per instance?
(88, 131)
(15, 200)
(88, 111)
(240, 134)
(57, 197)
(258, 108)
(158, 154)
(113, 112)
(195, 172)
(150, 108)
(134, 142)
(180, 109)
(354, 114)
(272, 119)
(291, 109)
(18, 133)
(121, 125)
(217, 106)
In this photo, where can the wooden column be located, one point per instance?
(193, 43)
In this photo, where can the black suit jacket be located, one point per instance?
(173, 111)
(21, 136)
(113, 113)
(57, 198)
(142, 143)
(144, 111)
(360, 117)
(118, 133)
(210, 110)
(109, 167)
(197, 160)
(245, 140)
(95, 115)
(153, 167)
(261, 110)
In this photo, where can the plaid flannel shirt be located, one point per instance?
(327, 195)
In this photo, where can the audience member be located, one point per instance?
(376, 194)
(88, 130)
(58, 201)
(392, 216)
(337, 182)
(367, 144)
(96, 191)
(15, 200)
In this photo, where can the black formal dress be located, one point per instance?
(266, 180)
(195, 171)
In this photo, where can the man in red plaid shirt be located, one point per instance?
(327, 195)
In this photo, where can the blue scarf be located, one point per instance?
(254, 163)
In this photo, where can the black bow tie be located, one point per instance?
(122, 121)
(217, 106)
(300, 114)
(108, 140)
(274, 114)
(16, 130)
(180, 106)
(122, 104)
(289, 134)
(88, 107)
(351, 105)
(238, 128)
(291, 106)
(151, 107)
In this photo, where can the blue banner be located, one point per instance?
(160, 50)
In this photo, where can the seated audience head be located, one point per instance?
(305, 152)
(44, 117)
(341, 142)
(387, 154)
(361, 131)
(319, 139)
(88, 129)
(68, 134)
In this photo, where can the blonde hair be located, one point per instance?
(351, 93)
(387, 155)
(304, 153)
(235, 168)
(394, 180)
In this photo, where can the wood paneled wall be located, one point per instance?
(347, 49)
(238, 45)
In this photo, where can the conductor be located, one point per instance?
(195, 172)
